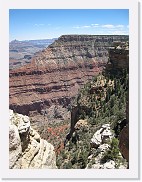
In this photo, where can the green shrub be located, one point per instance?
(113, 152)
(67, 165)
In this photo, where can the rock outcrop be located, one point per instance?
(56, 73)
(101, 143)
(108, 165)
(26, 148)
(118, 60)
(101, 136)
(82, 124)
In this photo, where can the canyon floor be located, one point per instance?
(53, 129)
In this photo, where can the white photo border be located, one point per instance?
(133, 171)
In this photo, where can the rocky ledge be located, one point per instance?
(26, 148)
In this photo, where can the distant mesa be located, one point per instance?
(18, 51)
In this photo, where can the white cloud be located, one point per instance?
(119, 26)
(108, 26)
(108, 29)
(40, 24)
(76, 27)
(112, 26)
(96, 24)
(85, 26)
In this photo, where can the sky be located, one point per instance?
(31, 24)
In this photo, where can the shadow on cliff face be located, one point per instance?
(124, 134)
(76, 111)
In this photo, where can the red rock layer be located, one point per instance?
(56, 73)
(28, 89)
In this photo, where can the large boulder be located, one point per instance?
(96, 140)
(15, 148)
(103, 135)
(82, 125)
(26, 148)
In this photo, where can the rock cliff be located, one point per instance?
(101, 100)
(124, 142)
(118, 60)
(26, 148)
(56, 73)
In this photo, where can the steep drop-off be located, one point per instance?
(99, 131)
(56, 73)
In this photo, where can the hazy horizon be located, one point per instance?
(60, 36)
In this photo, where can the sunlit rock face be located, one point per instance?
(26, 148)
(56, 74)
(101, 136)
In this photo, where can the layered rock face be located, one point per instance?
(56, 73)
(118, 60)
(26, 148)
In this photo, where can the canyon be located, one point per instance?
(56, 73)
(73, 90)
